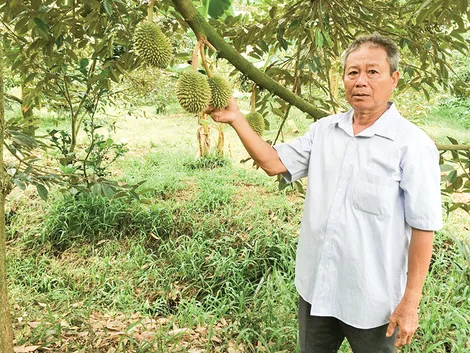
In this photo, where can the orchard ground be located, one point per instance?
(207, 263)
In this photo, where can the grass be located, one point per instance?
(207, 265)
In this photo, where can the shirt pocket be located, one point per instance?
(374, 194)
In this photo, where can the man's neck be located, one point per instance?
(362, 121)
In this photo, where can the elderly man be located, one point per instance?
(371, 209)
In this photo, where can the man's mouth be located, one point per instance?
(360, 95)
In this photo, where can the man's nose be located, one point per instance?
(361, 80)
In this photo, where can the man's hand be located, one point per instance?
(405, 317)
(227, 115)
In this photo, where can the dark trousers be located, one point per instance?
(318, 334)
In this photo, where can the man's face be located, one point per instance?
(367, 80)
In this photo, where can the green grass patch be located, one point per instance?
(207, 264)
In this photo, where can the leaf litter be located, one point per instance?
(132, 333)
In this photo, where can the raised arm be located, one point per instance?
(262, 152)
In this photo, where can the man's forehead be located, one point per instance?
(372, 55)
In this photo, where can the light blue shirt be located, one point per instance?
(364, 194)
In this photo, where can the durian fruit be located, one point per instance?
(256, 122)
(152, 45)
(220, 91)
(193, 92)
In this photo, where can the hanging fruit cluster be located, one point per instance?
(195, 91)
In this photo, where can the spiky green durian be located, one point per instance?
(256, 122)
(152, 45)
(193, 92)
(221, 91)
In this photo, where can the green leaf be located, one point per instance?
(318, 39)
(457, 184)
(29, 78)
(107, 190)
(19, 183)
(96, 189)
(446, 167)
(108, 7)
(35, 4)
(84, 63)
(452, 176)
(218, 7)
(22, 25)
(114, 75)
(452, 140)
(267, 125)
(42, 27)
(42, 191)
(278, 112)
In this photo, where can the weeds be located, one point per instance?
(206, 266)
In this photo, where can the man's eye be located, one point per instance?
(352, 73)
(373, 72)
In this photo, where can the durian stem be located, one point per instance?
(204, 60)
(150, 10)
(206, 42)
(253, 98)
(195, 57)
(206, 129)
(221, 142)
(199, 140)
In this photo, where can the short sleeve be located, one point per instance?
(295, 155)
(420, 182)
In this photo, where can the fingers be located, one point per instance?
(391, 327)
(404, 334)
(403, 338)
(209, 110)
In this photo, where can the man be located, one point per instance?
(371, 209)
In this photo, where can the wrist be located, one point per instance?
(412, 297)
(237, 120)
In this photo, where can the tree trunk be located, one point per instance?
(6, 329)
(202, 29)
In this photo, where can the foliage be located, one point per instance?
(224, 276)
(147, 87)
(209, 161)
(456, 109)
(456, 178)
(299, 44)
(66, 57)
(88, 217)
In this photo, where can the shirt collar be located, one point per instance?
(383, 126)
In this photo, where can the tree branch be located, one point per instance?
(452, 147)
(201, 28)
(13, 98)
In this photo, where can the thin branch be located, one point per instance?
(68, 97)
(79, 122)
(19, 40)
(92, 144)
(14, 98)
(195, 56)
(204, 60)
(294, 89)
(206, 42)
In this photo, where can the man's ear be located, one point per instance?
(395, 78)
